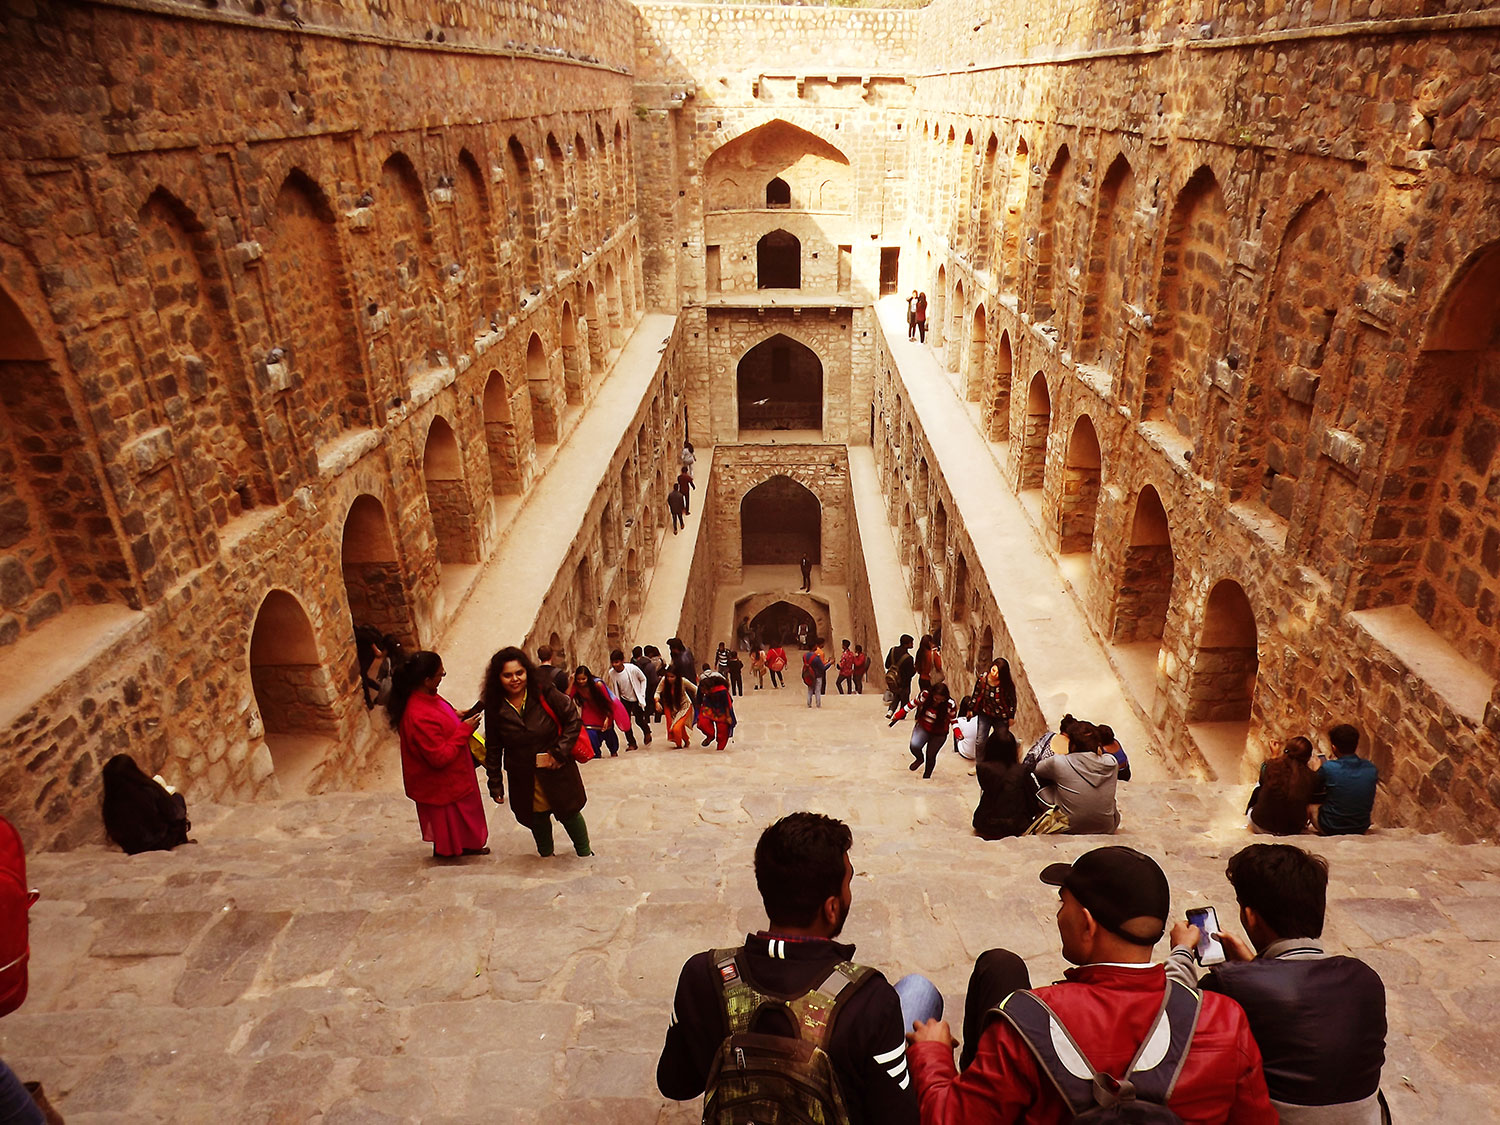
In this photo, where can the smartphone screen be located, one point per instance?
(1206, 918)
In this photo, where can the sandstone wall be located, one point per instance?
(1224, 274)
(281, 306)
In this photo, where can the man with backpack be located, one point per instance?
(788, 1020)
(1114, 1041)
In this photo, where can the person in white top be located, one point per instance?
(966, 730)
(629, 683)
(688, 458)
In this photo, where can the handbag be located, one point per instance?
(1051, 822)
(583, 749)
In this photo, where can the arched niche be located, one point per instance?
(1434, 533)
(779, 383)
(778, 623)
(614, 631)
(615, 310)
(999, 427)
(500, 438)
(1222, 683)
(971, 369)
(544, 421)
(1078, 501)
(447, 495)
(523, 202)
(1034, 436)
(780, 522)
(50, 488)
(778, 261)
(575, 356)
(1108, 267)
(738, 175)
(778, 193)
(373, 579)
(1051, 284)
(293, 690)
(1145, 579)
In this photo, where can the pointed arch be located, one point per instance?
(1033, 465)
(1108, 268)
(1078, 499)
(1000, 382)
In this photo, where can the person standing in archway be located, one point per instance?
(806, 573)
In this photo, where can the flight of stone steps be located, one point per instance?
(307, 961)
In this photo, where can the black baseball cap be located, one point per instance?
(1115, 884)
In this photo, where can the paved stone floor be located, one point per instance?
(307, 961)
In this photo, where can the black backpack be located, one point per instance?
(770, 1079)
(1140, 1095)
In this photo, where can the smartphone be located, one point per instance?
(1206, 918)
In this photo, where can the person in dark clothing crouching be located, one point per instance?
(1319, 1019)
(803, 871)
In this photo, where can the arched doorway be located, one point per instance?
(373, 581)
(971, 374)
(500, 437)
(447, 497)
(778, 261)
(1145, 586)
(999, 428)
(293, 691)
(1034, 437)
(539, 384)
(1078, 503)
(778, 623)
(1222, 686)
(780, 386)
(575, 357)
(780, 522)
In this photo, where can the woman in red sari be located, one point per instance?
(435, 761)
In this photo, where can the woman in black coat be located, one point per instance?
(530, 730)
(139, 814)
(1007, 794)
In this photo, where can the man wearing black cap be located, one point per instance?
(1113, 905)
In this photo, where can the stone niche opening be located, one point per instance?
(780, 522)
(293, 691)
(447, 496)
(780, 386)
(778, 622)
(373, 580)
(778, 261)
(1225, 666)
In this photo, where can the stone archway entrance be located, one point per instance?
(780, 386)
(778, 623)
(293, 691)
(780, 521)
(373, 581)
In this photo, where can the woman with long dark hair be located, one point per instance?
(598, 705)
(1280, 802)
(994, 698)
(934, 714)
(929, 663)
(530, 729)
(675, 700)
(139, 814)
(1007, 795)
(436, 766)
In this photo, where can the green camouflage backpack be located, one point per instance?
(765, 1079)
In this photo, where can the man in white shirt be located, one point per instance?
(629, 683)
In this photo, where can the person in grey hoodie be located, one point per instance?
(1081, 782)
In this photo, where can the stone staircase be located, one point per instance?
(307, 961)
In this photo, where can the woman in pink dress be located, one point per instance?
(435, 761)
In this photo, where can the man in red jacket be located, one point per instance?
(1113, 907)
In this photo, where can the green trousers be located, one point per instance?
(577, 830)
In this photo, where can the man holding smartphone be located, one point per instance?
(1319, 1019)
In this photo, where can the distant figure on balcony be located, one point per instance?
(688, 459)
(806, 573)
(911, 315)
(677, 505)
(684, 485)
(922, 317)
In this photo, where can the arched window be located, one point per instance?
(780, 522)
(780, 384)
(778, 193)
(778, 261)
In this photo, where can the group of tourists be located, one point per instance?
(1236, 1030)
(534, 724)
(916, 317)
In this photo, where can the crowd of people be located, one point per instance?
(1067, 779)
(1243, 1030)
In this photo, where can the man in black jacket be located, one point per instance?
(802, 869)
(1319, 1019)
